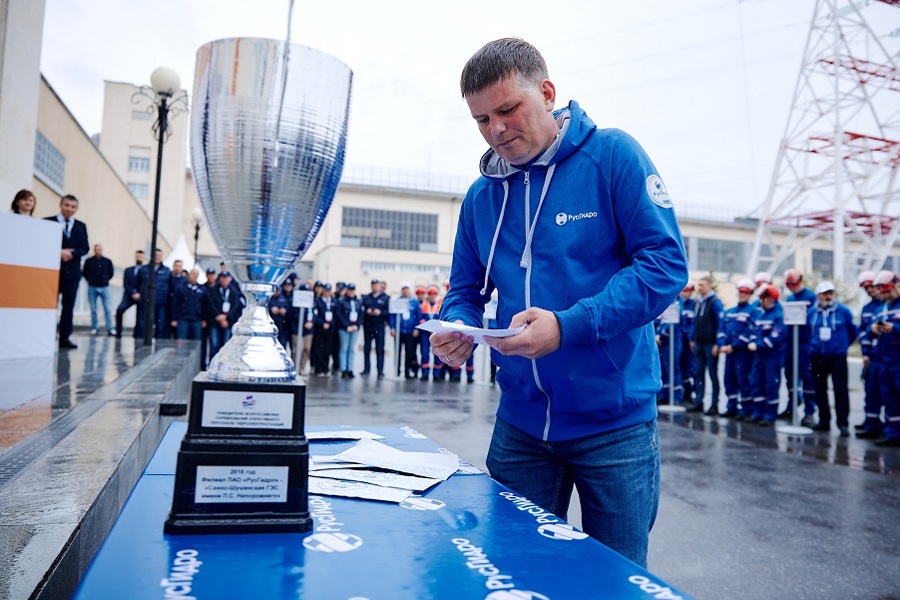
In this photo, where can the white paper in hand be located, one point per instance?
(436, 326)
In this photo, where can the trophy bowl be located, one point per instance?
(268, 136)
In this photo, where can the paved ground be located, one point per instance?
(745, 512)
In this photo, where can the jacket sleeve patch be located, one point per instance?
(657, 191)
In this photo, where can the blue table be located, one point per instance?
(466, 538)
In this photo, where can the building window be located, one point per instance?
(49, 164)
(722, 256)
(141, 115)
(390, 229)
(823, 263)
(139, 190)
(138, 164)
(439, 271)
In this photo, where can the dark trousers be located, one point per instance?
(834, 365)
(204, 345)
(688, 368)
(706, 362)
(126, 303)
(324, 344)
(409, 346)
(68, 289)
(374, 333)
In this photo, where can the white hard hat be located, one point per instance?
(762, 277)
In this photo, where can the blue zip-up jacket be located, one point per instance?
(866, 318)
(586, 231)
(808, 296)
(346, 307)
(768, 329)
(688, 314)
(736, 327)
(889, 343)
(838, 320)
(190, 302)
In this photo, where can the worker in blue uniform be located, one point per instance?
(280, 310)
(685, 328)
(733, 339)
(886, 330)
(832, 331)
(767, 344)
(806, 394)
(872, 425)
(666, 334)
(409, 335)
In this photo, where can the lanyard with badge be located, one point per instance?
(354, 314)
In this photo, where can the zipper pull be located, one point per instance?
(526, 177)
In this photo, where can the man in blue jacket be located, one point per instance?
(767, 342)
(733, 339)
(886, 330)
(871, 427)
(560, 200)
(831, 331)
(164, 283)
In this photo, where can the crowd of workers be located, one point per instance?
(758, 347)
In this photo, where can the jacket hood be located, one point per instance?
(574, 128)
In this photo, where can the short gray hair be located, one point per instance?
(500, 59)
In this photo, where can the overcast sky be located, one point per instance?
(705, 86)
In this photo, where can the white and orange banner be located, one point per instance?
(29, 282)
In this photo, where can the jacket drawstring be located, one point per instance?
(525, 263)
(490, 259)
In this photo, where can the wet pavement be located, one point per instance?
(745, 512)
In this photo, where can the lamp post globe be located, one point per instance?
(165, 81)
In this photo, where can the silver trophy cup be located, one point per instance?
(268, 134)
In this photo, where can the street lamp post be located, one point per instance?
(166, 97)
(197, 215)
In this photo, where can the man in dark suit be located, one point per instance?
(130, 292)
(74, 246)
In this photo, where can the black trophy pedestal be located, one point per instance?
(243, 466)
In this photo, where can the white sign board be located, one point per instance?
(303, 299)
(398, 305)
(672, 314)
(795, 313)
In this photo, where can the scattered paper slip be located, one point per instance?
(343, 434)
(478, 333)
(426, 464)
(356, 489)
(394, 480)
(322, 465)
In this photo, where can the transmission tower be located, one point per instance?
(837, 165)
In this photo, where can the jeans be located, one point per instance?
(706, 362)
(347, 353)
(616, 474)
(103, 293)
(217, 337)
(189, 330)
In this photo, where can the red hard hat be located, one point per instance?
(792, 277)
(884, 281)
(770, 291)
(432, 289)
(866, 278)
(420, 290)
